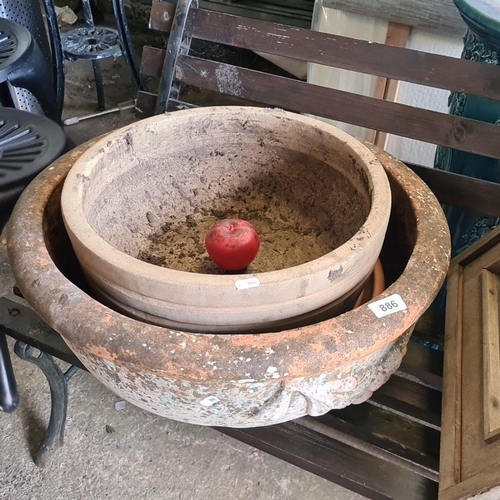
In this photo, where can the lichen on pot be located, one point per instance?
(137, 206)
(244, 380)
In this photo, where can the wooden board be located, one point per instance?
(470, 444)
(399, 119)
(397, 36)
(461, 191)
(292, 13)
(415, 444)
(416, 401)
(328, 455)
(431, 70)
(437, 15)
(491, 355)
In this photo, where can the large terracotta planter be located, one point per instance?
(239, 380)
(164, 181)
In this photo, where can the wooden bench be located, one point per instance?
(401, 424)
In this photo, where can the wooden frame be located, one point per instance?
(470, 444)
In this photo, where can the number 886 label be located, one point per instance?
(389, 305)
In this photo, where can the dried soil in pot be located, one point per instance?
(297, 218)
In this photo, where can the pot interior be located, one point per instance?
(398, 244)
(155, 192)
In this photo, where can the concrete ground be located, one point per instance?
(130, 454)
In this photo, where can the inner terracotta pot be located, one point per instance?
(241, 380)
(137, 206)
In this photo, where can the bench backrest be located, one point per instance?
(184, 20)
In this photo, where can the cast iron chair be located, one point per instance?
(22, 64)
(95, 43)
(28, 143)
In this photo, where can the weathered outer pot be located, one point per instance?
(174, 168)
(234, 380)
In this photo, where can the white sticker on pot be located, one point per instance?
(211, 400)
(247, 283)
(389, 305)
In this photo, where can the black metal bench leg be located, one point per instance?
(99, 85)
(126, 43)
(9, 396)
(59, 396)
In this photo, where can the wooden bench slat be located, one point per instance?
(423, 364)
(441, 16)
(399, 119)
(292, 13)
(145, 104)
(416, 401)
(421, 357)
(413, 442)
(430, 70)
(152, 62)
(462, 191)
(332, 459)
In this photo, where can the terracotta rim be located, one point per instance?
(301, 352)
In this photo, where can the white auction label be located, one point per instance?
(389, 305)
(211, 400)
(247, 283)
